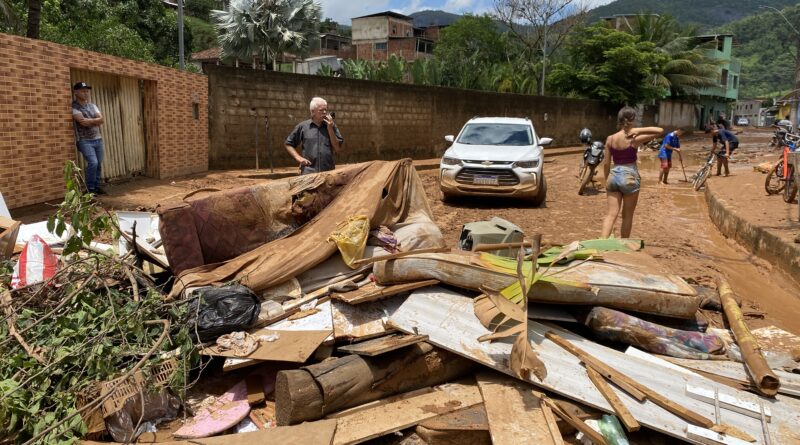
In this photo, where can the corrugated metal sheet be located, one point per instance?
(120, 102)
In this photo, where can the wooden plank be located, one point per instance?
(448, 319)
(576, 423)
(467, 419)
(380, 345)
(619, 378)
(790, 383)
(514, 413)
(706, 436)
(619, 408)
(603, 369)
(291, 346)
(373, 291)
(387, 418)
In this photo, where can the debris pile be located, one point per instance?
(328, 309)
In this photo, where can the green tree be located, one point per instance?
(689, 67)
(610, 65)
(267, 29)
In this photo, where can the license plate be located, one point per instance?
(485, 180)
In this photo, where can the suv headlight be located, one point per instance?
(527, 164)
(451, 161)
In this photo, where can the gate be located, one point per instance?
(120, 102)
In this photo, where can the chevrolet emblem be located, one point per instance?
(486, 162)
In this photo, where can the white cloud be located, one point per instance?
(344, 10)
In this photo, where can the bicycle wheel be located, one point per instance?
(701, 176)
(773, 183)
(587, 174)
(790, 190)
(582, 169)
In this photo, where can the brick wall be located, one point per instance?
(378, 120)
(36, 133)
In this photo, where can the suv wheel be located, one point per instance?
(541, 194)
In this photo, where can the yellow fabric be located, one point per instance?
(351, 238)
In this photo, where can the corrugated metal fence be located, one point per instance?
(120, 102)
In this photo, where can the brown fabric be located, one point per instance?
(227, 224)
(385, 192)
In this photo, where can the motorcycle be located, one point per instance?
(592, 157)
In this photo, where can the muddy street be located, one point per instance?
(672, 220)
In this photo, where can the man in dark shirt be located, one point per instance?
(318, 138)
(729, 143)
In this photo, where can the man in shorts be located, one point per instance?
(670, 143)
(729, 143)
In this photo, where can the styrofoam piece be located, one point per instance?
(27, 231)
(3, 208)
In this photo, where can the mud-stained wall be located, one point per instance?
(378, 120)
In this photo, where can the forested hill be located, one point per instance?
(706, 13)
(764, 44)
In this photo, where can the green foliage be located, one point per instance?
(87, 328)
(766, 48)
(80, 211)
(204, 35)
(426, 72)
(610, 65)
(689, 67)
(471, 36)
(327, 71)
(706, 13)
(199, 8)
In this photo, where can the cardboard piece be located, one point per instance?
(9, 229)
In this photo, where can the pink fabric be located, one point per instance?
(624, 156)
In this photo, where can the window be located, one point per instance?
(196, 110)
(735, 81)
(394, 30)
(496, 134)
(724, 78)
(381, 46)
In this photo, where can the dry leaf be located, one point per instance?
(502, 334)
(524, 359)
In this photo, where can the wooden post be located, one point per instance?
(765, 380)
(311, 392)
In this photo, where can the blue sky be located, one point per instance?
(343, 10)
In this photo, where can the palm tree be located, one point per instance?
(267, 28)
(689, 67)
(34, 18)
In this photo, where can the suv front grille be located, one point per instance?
(504, 177)
(488, 162)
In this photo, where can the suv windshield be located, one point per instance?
(496, 134)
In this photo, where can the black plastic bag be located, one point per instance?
(222, 310)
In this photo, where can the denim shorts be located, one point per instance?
(624, 179)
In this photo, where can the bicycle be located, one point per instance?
(780, 175)
(700, 177)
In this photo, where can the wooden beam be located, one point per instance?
(375, 259)
(380, 345)
(619, 408)
(373, 291)
(606, 371)
(387, 418)
(576, 423)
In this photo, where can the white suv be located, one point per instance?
(495, 156)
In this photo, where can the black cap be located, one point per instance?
(80, 86)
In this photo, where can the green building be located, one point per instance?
(721, 98)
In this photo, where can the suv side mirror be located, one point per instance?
(545, 141)
(449, 138)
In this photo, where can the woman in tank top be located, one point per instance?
(623, 180)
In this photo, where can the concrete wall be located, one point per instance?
(378, 120)
(370, 29)
(36, 132)
(672, 115)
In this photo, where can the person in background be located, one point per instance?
(88, 119)
(318, 138)
(623, 180)
(729, 143)
(670, 143)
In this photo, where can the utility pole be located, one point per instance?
(794, 108)
(180, 34)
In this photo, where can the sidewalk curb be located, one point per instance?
(783, 254)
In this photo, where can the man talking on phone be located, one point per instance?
(318, 140)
